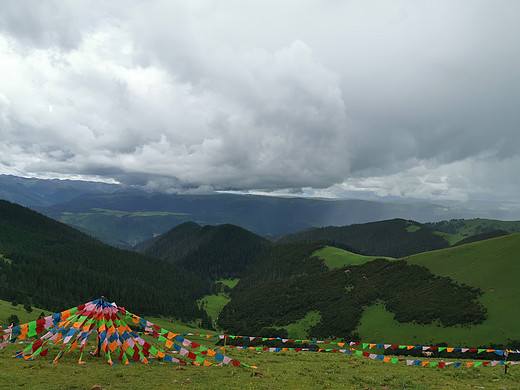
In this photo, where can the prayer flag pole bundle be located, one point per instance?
(73, 328)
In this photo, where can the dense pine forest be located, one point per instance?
(411, 292)
(211, 252)
(391, 238)
(53, 266)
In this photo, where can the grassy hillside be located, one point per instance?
(336, 258)
(7, 310)
(492, 266)
(283, 370)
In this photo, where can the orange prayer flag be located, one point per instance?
(211, 353)
(450, 349)
(206, 363)
(168, 343)
(113, 345)
(74, 345)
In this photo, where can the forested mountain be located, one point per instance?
(393, 238)
(211, 252)
(55, 266)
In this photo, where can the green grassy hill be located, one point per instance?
(7, 310)
(493, 266)
(336, 257)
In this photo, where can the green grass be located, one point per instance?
(412, 228)
(336, 258)
(231, 283)
(5, 259)
(213, 304)
(493, 266)
(7, 309)
(299, 330)
(176, 326)
(451, 238)
(283, 370)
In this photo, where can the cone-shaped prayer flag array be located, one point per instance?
(107, 323)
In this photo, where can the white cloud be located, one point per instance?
(390, 98)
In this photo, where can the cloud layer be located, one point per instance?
(404, 98)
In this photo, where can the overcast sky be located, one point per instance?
(416, 99)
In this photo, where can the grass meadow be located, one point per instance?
(282, 370)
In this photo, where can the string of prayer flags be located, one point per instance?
(362, 345)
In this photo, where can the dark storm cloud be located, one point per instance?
(401, 98)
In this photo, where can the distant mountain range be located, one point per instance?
(32, 192)
(124, 217)
(459, 291)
